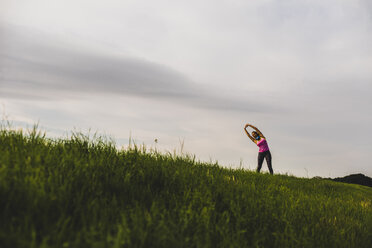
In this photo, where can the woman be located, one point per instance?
(264, 152)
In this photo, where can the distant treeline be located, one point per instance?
(355, 179)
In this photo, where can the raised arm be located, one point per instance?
(248, 134)
(258, 131)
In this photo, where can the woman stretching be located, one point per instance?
(264, 152)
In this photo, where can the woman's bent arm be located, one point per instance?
(248, 134)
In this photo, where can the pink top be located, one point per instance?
(262, 144)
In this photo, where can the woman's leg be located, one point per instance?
(260, 160)
(268, 161)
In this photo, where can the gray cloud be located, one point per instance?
(34, 66)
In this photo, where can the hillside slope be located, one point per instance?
(83, 193)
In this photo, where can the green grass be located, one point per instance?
(82, 192)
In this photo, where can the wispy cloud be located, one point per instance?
(34, 68)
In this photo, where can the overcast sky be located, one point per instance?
(196, 72)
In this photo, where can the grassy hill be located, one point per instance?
(85, 193)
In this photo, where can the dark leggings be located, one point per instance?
(261, 156)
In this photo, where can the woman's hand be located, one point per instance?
(246, 125)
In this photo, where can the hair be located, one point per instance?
(254, 133)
